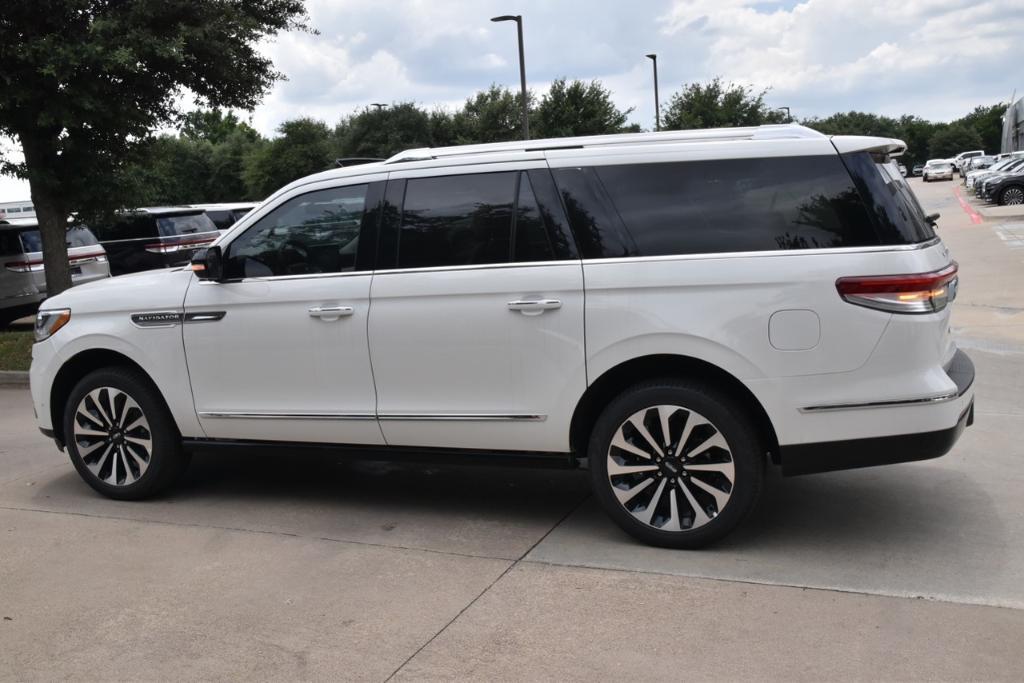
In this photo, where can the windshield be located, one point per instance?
(188, 224)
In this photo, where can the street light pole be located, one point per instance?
(379, 105)
(522, 69)
(657, 106)
(789, 117)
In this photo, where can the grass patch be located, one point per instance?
(15, 350)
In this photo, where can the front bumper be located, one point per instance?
(829, 456)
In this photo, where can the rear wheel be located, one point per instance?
(1012, 195)
(121, 438)
(676, 464)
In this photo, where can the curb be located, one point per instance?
(13, 379)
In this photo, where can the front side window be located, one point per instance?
(317, 232)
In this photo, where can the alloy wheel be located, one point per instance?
(1013, 196)
(670, 468)
(112, 436)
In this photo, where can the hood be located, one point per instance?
(152, 290)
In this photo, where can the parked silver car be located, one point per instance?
(22, 279)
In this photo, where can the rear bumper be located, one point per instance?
(830, 456)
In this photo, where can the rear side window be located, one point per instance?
(729, 205)
(9, 243)
(32, 241)
(457, 220)
(896, 213)
(482, 218)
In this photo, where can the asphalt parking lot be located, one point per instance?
(313, 568)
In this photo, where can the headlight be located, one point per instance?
(48, 322)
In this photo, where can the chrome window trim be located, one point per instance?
(162, 237)
(769, 253)
(418, 417)
(942, 398)
(275, 278)
(479, 266)
(242, 415)
(462, 417)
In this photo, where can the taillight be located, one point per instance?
(915, 293)
(24, 266)
(179, 245)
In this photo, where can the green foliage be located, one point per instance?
(15, 351)
(492, 115)
(305, 146)
(856, 123)
(578, 108)
(951, 140)
(83, 83)
(214, 126)
(383, 132)
(987, 121)
(718, 104)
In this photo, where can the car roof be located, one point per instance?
(165, 210)
(225, 206)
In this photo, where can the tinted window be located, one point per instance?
(531, 235)
(597, 227)
(9, 243)
(897, 216)
(457, 220)
(188, 224)
(316, 232)
(126, 227)
(726, 205)
(78, 236)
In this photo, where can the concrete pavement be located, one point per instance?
(284, 568)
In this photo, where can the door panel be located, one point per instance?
(457, 367)
(289, 359)
(470, 349)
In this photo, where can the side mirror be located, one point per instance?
(933, 219)
(208, 264)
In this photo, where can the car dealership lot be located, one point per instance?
(305, 567)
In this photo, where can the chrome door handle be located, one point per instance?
(330, 313)
(534, 306)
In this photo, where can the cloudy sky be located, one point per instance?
(934, 58)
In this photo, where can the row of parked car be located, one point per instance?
(143, 239)
(1000, 182)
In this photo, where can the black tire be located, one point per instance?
(166, 459)
(1013, 193)
(726, 416)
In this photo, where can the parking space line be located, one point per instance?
(975, 216)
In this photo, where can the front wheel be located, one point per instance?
(1012, 196)
(121, 438)
(676, 464)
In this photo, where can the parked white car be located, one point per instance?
(937, 169)
(959, 159)
(22, 278)
(675, 308)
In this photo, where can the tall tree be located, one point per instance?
(305, 146)
(856, 123)
(577, 108)
(84, 81)
(718, 104)
(987, 121)
(492, 115)
(951, 140)
(383, 132)
(213, 125)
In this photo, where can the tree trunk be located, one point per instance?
(41, 158)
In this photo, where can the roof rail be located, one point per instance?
(343, 162)
(767, 132)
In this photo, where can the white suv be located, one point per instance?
(674, 308)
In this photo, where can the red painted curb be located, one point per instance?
(975, 216)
